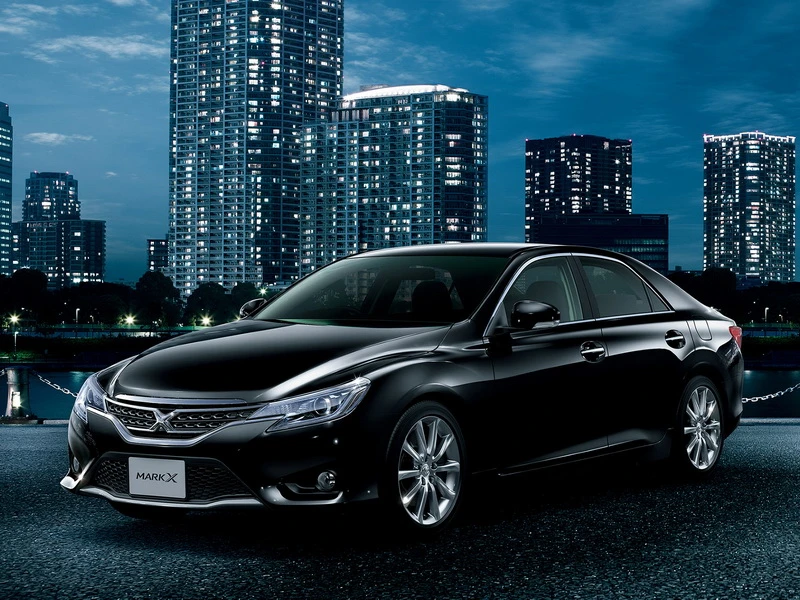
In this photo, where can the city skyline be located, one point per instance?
(661, 74)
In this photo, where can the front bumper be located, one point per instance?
(235, 466)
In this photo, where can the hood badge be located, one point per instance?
(161, 424)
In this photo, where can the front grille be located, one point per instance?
(181, 419)
(132, 417)
(205, 420)
(206, 480)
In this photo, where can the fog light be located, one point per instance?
(76, 466)
(326, 481)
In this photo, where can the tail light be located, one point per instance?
(736, 333)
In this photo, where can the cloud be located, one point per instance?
(125, 47)
(110, 174)
(55, 139)
(132, 86)
(21, 19)
(742, 109)
(484, 6)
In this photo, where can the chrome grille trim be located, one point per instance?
(180, 419)
(157, 401)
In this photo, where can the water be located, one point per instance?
(48, 403)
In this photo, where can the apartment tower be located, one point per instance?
(749, 206)
(246, 76)
(395, 166)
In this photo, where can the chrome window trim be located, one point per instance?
(635, 274)
(514, 279)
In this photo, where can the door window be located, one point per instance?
(616, 289)
(548, 280)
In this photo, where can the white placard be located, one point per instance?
(157, 477)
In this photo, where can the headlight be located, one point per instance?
(316, 407)
(90, 394)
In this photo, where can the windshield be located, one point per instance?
(389, 290)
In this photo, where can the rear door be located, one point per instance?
(645, 343)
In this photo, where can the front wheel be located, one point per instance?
(425, 468)
(699, 437)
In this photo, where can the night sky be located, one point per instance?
(88, 87)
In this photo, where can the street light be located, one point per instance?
(77, 310)
(14, 320)
(206, 321)
(766, 310)
(129, 319)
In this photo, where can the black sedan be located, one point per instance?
(396, 375)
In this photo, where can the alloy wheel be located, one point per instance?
(702, 430)
(429, 470)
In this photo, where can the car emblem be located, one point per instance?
(161, 423)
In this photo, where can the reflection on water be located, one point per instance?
(49, 403)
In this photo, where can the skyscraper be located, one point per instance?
(749, 205)
(395, 166)
(6, 155)
(576, 175)
(246, 76)
(53, 238)
(157, 256)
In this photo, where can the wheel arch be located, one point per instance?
(705, 369)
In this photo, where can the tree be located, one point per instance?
(243, 292)
(157, 300)
(209, 300)
(28, 291)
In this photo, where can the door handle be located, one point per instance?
(592, 351)
(675, 339)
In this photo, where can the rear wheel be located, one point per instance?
(149, 513)
(699, 437)
(425, 469)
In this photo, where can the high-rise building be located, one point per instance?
(6, 156)
(643, 237)
(395, 166)
(157, 255)
(576, 175)
(53, 238)
(246, 76)
(51, 197)
(749, 205)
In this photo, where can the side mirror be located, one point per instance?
(248, 308)
(527, 314)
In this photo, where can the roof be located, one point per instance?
(402, 90)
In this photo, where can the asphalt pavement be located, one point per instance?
(612, 531)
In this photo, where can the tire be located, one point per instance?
(699, 433)
(425, 472)
(148, 513)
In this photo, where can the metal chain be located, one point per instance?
(772, 396)
(789, 390)
(55, 386)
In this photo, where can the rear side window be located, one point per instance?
(616, 289)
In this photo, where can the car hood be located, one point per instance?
(259, 361)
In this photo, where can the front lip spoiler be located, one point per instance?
(69, 483)
(271, 494)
